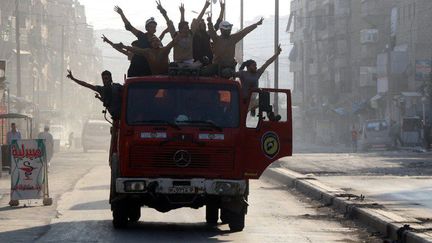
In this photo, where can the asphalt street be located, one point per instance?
(79, 184)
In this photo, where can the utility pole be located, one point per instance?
(62, 65)
(18, 48)
(276, 63)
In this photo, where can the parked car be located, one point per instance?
(375, 134)
(96, 135)
(412, 131)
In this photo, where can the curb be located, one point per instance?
(389, 224)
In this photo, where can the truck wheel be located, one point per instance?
(212, 214)
(114, 175)
(120, 217)
(236, 221)
(134, 213)
(224, 216)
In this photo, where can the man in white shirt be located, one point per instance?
(13, 134)
(49, 142)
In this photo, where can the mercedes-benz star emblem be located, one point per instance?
(182, 158)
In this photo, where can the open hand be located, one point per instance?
(260, 21)
(279, 50)
(159, 6)
(222, 4)
(118, 10)
(70, 76)
(104, 39)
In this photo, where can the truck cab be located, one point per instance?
(191, 142)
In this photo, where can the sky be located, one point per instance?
(102, 16)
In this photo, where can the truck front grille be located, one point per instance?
(215, 158)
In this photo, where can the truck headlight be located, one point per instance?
(134, 186)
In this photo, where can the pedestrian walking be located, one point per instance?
(354, 138)
(13, 134)
(395, 134)
(49, 143)
(70, 140)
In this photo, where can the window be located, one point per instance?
(183, 104)
(368, 36)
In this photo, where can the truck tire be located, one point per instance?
(224, 216)
(212, 214)
(134, 213)
(120, 217)
(236, 221)
(114, 175)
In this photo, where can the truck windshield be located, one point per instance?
(183, 104)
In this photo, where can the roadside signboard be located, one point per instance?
(29, 179)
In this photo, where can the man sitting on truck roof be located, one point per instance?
(183, 48)
(139, 65)
(109, 93)
(224, 48)
(157, 56)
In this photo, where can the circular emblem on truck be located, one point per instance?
(182, 158)
(270, 144)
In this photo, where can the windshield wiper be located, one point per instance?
(207, 122)
(172, 124)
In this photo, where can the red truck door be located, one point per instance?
(268, 130)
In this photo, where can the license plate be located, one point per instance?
(181, 190)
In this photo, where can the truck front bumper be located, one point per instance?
(181, 186)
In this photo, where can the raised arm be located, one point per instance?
(135, 50)
(211, 30)
(221, 14)
(182, 13)
(162, 35)
(168, 21)
(270, 60)
(114, 46)
(128, 25)
(242, 33)
(201, 14)
(195, 22)
(82, 83)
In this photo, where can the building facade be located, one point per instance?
(53, 36)
(358, 60)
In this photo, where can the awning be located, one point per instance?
(293, 54)
(340, 111)
(359, 106)
(411, 94)
(374, 101)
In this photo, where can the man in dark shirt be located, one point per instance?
(139, 65)
(109, 93)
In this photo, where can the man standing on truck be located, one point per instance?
(109, 93)
(139, 65)
(249, 78)
(224, 48)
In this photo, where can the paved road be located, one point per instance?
(79, 185)
(400, 180)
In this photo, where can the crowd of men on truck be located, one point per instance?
(197, 47)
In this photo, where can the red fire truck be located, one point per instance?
(194, 141)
